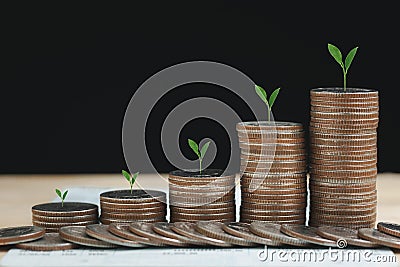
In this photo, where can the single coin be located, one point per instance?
(275, 219)
(132, 216)
(137, 196)
(181, 201)
(196, 189)
(265, 198)
(15, 235)
(201, 210)
(122, 230)
(308, 234)
(49, 242)
(146, 230)
(268, 126)
(133, 206)
(275, 201)
(77, 235)
(100, 231)
(164, 229)
(69, 209)
(350, 236)
(241, 230)
(188, 229)
(349, 94)
(389, 228)
(142, 210)
(109, 221)
(214, 230)
(75, 219)
(59, 225)
(274, 213)
(330, 212)
(273, 232)
(199, 195)
(271, 207)
(379, 237)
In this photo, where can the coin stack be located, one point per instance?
(124, 206)
(197, 197)
(343, 157)
(273, 172)
(53, 216)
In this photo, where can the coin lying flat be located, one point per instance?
(241, 230)
(122, 230)
(70, 209)
(188, 229)
(100, 231)
(272, 231)
(146, 230)
(214, 230)
(15, 235)
(389, 228)
(337, 233)
(164, 228)
(137, 196)
(77, 235)
(49, 242)
(379, 237)
(308, 234)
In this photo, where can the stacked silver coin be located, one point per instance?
(195, 196)
(273, 172)
(125, 206)
(343, 157)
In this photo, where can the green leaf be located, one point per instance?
(58, 193)
(134, 176)
(194, 147)
(204, 149)
(273, 96)
(261, 93)
(65, 195)
(350, 57)
(126, 175)
(336, 54)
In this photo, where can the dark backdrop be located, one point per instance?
(69, 71)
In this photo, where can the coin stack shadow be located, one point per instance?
(122, 206)
(273, 172)
(207, 197)
(53, 216)
(343, 157)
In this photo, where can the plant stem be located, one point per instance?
(200, 165)
(131, 189)
(344, 80)
(62, 202)
(269, 113)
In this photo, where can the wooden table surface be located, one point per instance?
(18, 193)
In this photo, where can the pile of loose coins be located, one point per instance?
(125, 206)
(273, 168)
(343, 157)
(209, 195)
(199, 234)
(53, 216)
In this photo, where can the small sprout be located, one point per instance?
(130, 178)
(200, 153)
(337, 55)
(62, 196)
(269, 102)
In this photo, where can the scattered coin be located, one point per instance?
(15, 235)
(146, 230)
(122, 230)
(389, 228)
(273, 232)
(49, 242)
(164, 229)
(379, 237)
(241, 230)
(188, 229)
(307, 233)
(350, 236)
(77, 235)
(100, 232)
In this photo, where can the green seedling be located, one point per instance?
(130, 178)
(199, 152)
(337, 55)
(62, 196)
(269, 102)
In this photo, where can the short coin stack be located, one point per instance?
(124, 206)
(53, 216)
(195, 196)
(273, 168)
(343, 157)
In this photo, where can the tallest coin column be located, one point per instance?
(343, 157)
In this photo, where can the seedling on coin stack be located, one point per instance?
(130, 178)
(343, 152)
(203, 194)
(62, 196)
(272, 160)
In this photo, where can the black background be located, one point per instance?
(69, 71)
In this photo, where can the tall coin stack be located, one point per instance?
(343, 157)
(53, 216)
(122, 206)
(209, 196)
(273, 167)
